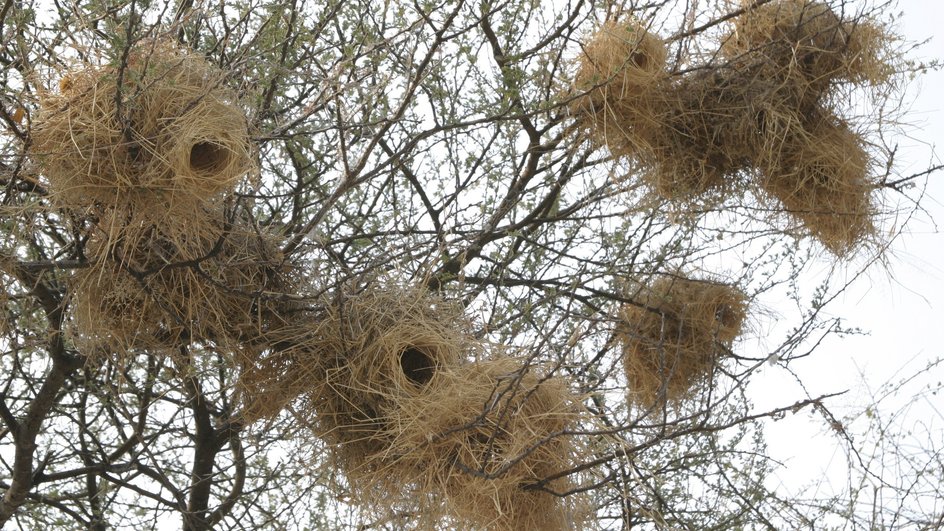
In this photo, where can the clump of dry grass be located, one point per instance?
(148, 151)
(351, 360)
(485, 441)
(382, 376)
(667, 125)
(811, 44)
(620, 75)
(702, 134)
(822, 179)
(708, 133)
(161, 286)
(673, 337)
(869, 53)
(164, 124)
(385, 344)
(282, 362)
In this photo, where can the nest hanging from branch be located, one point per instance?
(386, 344)
(164, 286)
(163, 124)
(673, 338)
(764, 115)
(350, 363)
(621, 73)
(382, 377)
(810, 44)
(709, 132)
(486, 447)
(822, 179)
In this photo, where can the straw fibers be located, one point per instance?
(481, 439)
(177, 131)
(357, 355)
(709, 132)
(382, 377)
(385, 344)
(672, 339)
(621, 73)
(281, 364)
(821, 179)
(811, 44)
(165, 286)
(765, 115)
(667, 126)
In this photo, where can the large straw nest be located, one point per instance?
(621, 71)
(154, 286)
(674, 335)
(386, 344)
(690, 134)
(822, 180)
(810, 43)
(480, 441)
(704, 140)
(178, 130)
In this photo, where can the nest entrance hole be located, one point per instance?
(643, 60)
(209, 157)
(417, 365)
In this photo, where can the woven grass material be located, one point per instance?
(177, 131)
(162, 286)
(811, 44)
(384, 345)
(382, 377)
(631, 105)
(350, 362)
(688, 134)
(281, 364)
(673, 338)
(750, 124)
(821, 179)
(622, 70)
(478, 443)
(712, 132)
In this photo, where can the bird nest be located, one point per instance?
(163, 123)
(487, 446)
(761, 121)
(811, 44)
(351, 360)
(156, 286)
(383, 344)
(619, 79)
(821, 179)
(674, 334)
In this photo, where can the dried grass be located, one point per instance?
(637, 111)
(383, 377)
(822, 179)
(351, 360)
(385, 344)
(812, 44)
(178, 131)
(162, 286)
(481, 440)
(708, 134)
(673, 338)
(621, 73)
(281, 363)
(705, 131)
